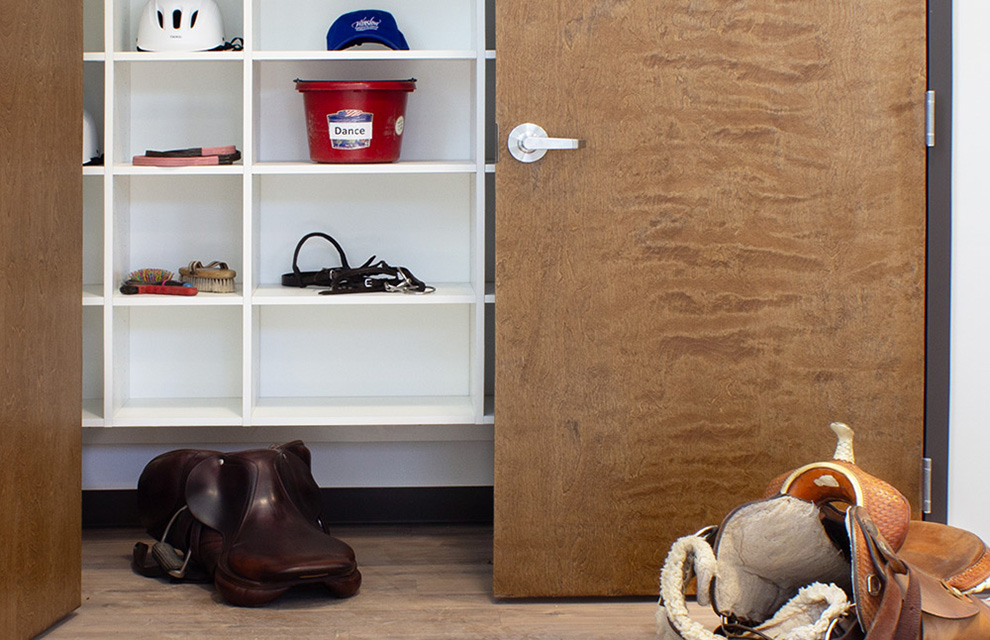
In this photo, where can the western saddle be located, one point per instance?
(829, 553)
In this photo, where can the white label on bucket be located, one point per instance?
(400, 124)
(350, 129)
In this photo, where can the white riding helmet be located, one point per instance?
(91, 143)
(180, 25)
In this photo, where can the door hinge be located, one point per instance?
(926, 485)
(930, 118)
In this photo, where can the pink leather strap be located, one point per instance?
(167, 161)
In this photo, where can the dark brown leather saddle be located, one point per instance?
(829, 553)
(249, 521)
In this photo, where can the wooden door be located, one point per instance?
(734, 260)
(40, 313)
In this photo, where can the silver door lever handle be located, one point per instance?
(534, 143)
(529, 142)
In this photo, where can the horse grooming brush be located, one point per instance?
(215, 277)
(157, 281)
(170, 288)
(149, 276)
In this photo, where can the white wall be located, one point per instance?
(335, 464)
(969, 404)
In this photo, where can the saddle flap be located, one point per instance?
(219, 490)
(161, 487)
(943, 601)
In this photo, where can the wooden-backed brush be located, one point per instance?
(215, 277)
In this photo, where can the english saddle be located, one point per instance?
(829, 553)
(249, 521)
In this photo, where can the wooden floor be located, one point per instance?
(420, 582)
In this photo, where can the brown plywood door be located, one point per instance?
(734, 259)
(40, 313)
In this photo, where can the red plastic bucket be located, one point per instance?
(351, 121)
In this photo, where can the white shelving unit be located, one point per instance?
(267, 355)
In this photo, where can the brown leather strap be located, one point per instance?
(885, 622)
(899, 615)
(909, 622)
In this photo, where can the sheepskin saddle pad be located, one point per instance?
(249, 521)
(828, 553)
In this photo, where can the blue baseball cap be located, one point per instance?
(369, 25)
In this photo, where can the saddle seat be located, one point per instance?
(957, 556)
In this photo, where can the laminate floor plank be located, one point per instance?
(421, 582)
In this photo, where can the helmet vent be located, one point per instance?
(192, 21)
(161, 20)
(176, 19)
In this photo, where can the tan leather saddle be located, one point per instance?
(249, 521)
(829, 553)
